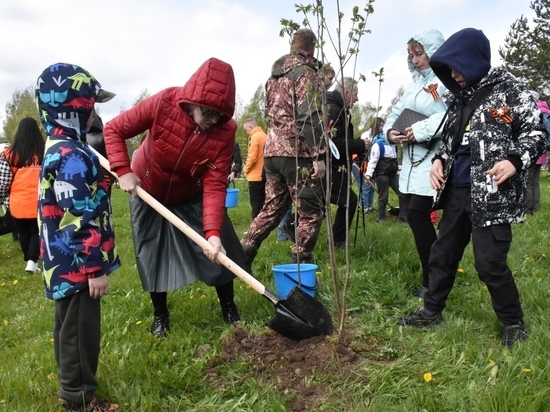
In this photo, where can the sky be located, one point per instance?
(131, 46)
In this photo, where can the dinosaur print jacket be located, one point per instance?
(74, 210)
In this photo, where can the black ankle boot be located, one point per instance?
(161, 325)
(230, 313)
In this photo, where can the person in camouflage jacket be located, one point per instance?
(292, 151)
(480, 176)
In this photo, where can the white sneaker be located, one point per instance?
(32, 267)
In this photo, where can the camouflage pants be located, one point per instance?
(288, 181)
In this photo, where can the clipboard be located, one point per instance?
(406, 119)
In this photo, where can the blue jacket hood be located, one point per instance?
(468, 51)
(430, 39)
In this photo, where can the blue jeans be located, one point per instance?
(366, 192)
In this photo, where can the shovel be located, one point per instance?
(298, 317)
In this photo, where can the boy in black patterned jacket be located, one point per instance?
(490, 139)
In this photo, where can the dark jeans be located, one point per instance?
(257, 196)
(532, 196)
(490, 245)
(77, 333)
(339, 196)
(27, 230)
(423, 230)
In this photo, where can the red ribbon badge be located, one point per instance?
(502, 114)
(432, 88)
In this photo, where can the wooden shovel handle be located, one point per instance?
(188, 231)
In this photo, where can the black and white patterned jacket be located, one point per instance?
(494, 137)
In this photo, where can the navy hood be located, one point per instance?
(468, 51)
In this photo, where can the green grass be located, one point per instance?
(470, 370)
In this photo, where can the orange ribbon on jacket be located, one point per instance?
(432, 88)
(200, 164)
(502, 113)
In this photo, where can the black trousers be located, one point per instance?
(339, 196)
(77, 333)
(27, 229)
(490, 246)
(418, 216)
(257, 196)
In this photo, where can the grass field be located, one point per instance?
(459, 366)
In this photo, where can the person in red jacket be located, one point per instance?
(183, 163)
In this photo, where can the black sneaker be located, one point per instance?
(230, 313)
(96, 405)
(161, 325)
(514, 333)
(421, 319)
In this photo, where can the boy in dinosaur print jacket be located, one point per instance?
(76, 229)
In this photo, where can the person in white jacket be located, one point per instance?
(420, 141)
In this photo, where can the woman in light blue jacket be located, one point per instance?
(419, 141)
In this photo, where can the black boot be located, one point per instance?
(161, 325)
(229, 310)
(381, 214)
(161, 322)
(230, 313)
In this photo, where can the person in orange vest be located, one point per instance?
(19, 170)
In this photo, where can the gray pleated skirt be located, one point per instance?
(167, 259)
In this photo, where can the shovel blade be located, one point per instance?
(300, 316)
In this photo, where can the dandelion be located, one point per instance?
(138, 322)
(15, 282)
(6, 323)
(2, 401)
(3, 283)
(528, 259)
(50, 376)
(526, 370)
(427, 377)
(192, 297)
(51, 340)
(544, 255)
(460, 270)
(203, 296)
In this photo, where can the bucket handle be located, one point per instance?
(314, 287)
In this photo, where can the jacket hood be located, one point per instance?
(431, 40)
(66, 94)
(468, 51)
(289, 62)
(212, 86)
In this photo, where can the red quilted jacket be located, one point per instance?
(177, 158)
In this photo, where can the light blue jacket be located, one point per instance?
(415, 177)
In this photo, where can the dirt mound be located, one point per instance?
(299, 370)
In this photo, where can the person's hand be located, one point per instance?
(408, 137)
(436, 174)
(502, 171)
(129, 183)
(212, 252)
(231, 177)
(98, 286)
(319, 170)
(395, 136)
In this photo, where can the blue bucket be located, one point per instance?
(232, 197)
(286, 277)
